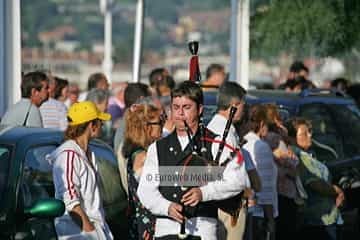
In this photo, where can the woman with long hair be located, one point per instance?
(143, 125)
(266, 209)
(286, 162)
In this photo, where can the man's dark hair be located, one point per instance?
(32, 80)
(94, 79)
(190, 90)
(290, 83)
(213, 68)
(60, 84)
(298, 66)
(156, 75)
(227, 92)
(340, 81)
(135, 91)
(169, 82)
(303, 83)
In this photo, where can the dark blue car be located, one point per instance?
(27, 204)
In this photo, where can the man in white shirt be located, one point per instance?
(231, 95)
(34, 91)
(169, 203)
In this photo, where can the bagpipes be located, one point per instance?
(232, 205)
(201, 158)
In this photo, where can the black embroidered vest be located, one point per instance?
(170, 154)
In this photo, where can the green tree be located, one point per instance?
(304, 28)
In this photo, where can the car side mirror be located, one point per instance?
(45, 208)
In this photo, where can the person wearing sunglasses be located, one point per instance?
(75, 173)
(143, 125)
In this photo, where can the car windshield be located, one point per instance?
(331, 126)
(4, 169)
(348, 122)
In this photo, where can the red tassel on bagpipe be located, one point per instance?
(194, 69)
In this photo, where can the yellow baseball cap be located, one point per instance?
(83, 112)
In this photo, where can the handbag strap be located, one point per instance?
(27, 115)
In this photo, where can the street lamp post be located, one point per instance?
(239, 49)
(139, 27)
(107, 65)
(10, 53)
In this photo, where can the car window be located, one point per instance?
(210, 106)
(348, 122)
(37, 177)
(284, 113)
(113, 195)
(209, 112)
(4, 169)
(324, 130)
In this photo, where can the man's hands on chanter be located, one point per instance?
(192, 197)
(175, 212)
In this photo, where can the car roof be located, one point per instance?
(314, 95)
(282, 97)
(15, 134)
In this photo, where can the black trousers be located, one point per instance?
(287, 219)
(263, 229)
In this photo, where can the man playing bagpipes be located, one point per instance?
(193, 210)
(232, 95)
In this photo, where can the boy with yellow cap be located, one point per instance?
(75, 176)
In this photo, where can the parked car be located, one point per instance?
(336, 133)
(27, 204)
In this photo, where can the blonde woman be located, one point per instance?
(143, 125)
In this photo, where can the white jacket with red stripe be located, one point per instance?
(77, 182)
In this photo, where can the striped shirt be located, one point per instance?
(263, 160)
(53, 113)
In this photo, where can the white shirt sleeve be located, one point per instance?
(234, 180)
(148, 189)
(66, 173)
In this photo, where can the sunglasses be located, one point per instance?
(98, 122)
(163, 118)
(160, 123)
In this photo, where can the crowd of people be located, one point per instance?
(278, 188)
